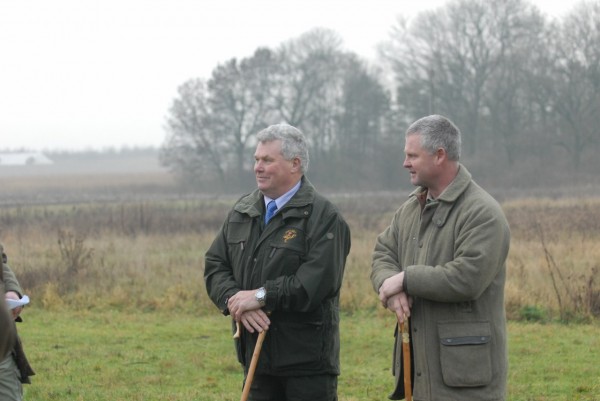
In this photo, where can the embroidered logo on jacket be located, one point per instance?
(289, 234)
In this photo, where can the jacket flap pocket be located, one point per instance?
(466, 353)
(466, 340)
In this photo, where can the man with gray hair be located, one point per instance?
(277, 263)
(442, 262)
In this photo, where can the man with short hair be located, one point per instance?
(442, 262)
(277, 263)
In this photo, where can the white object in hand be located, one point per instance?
(13, 303)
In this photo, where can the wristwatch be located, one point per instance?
(261, 296)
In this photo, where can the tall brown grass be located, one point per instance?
(554, 262)
(148, 254)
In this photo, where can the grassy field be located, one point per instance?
(97, 355)
(119, 310)
(148, 255)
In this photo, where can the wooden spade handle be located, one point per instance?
(253, 363)
(406, 360)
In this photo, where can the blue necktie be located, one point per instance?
(271, 209)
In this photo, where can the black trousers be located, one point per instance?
(294, 388)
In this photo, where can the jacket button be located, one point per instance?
(419, 374)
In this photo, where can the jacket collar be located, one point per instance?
(252, 204)
(446, 200)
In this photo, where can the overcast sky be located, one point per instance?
(82, 74)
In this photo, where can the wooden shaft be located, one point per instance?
(406, 360)
(253, 363)
(237, 330)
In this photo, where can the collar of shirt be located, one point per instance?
(283, 199)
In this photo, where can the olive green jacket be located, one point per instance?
(299, 257)
(453, 252)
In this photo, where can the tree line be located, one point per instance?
(523, 88)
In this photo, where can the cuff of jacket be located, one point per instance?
(271, 301)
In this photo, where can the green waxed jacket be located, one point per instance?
(453, 251)
(299, 257)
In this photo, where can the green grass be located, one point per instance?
(122, 356)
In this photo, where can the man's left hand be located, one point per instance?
(241, 302)
(391, 286)
(16, 311)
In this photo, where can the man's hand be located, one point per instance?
(400, 304)
(391, 286)
(255, 320)
(242, 302)
(16, 311)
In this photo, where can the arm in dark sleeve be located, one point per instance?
(218, 272)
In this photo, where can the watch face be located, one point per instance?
(261, 295)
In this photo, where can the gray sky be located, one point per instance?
(83, 74)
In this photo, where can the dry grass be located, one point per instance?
(149, 253)
(554, 262)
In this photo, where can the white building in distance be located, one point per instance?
(24, 159)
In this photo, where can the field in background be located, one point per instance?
(132, 238)
(113, 264)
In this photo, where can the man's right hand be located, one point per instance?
(400, 304)
(255, 320)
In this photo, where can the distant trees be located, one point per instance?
(309, 82)
(524, 90)
(465, 61)
(574, 80)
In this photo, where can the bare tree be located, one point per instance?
(192, 146)
(241, 103)
(507, 100)
(308, 85)
(575, 84)
(362, 122)
(446, 59)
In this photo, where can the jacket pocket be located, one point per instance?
(285, 257)
(238, 235)
(297, 345)
(465, 353)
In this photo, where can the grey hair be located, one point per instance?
(437, 132)
(293, 142)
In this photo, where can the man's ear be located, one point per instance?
(296, 164)
(440, 156)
